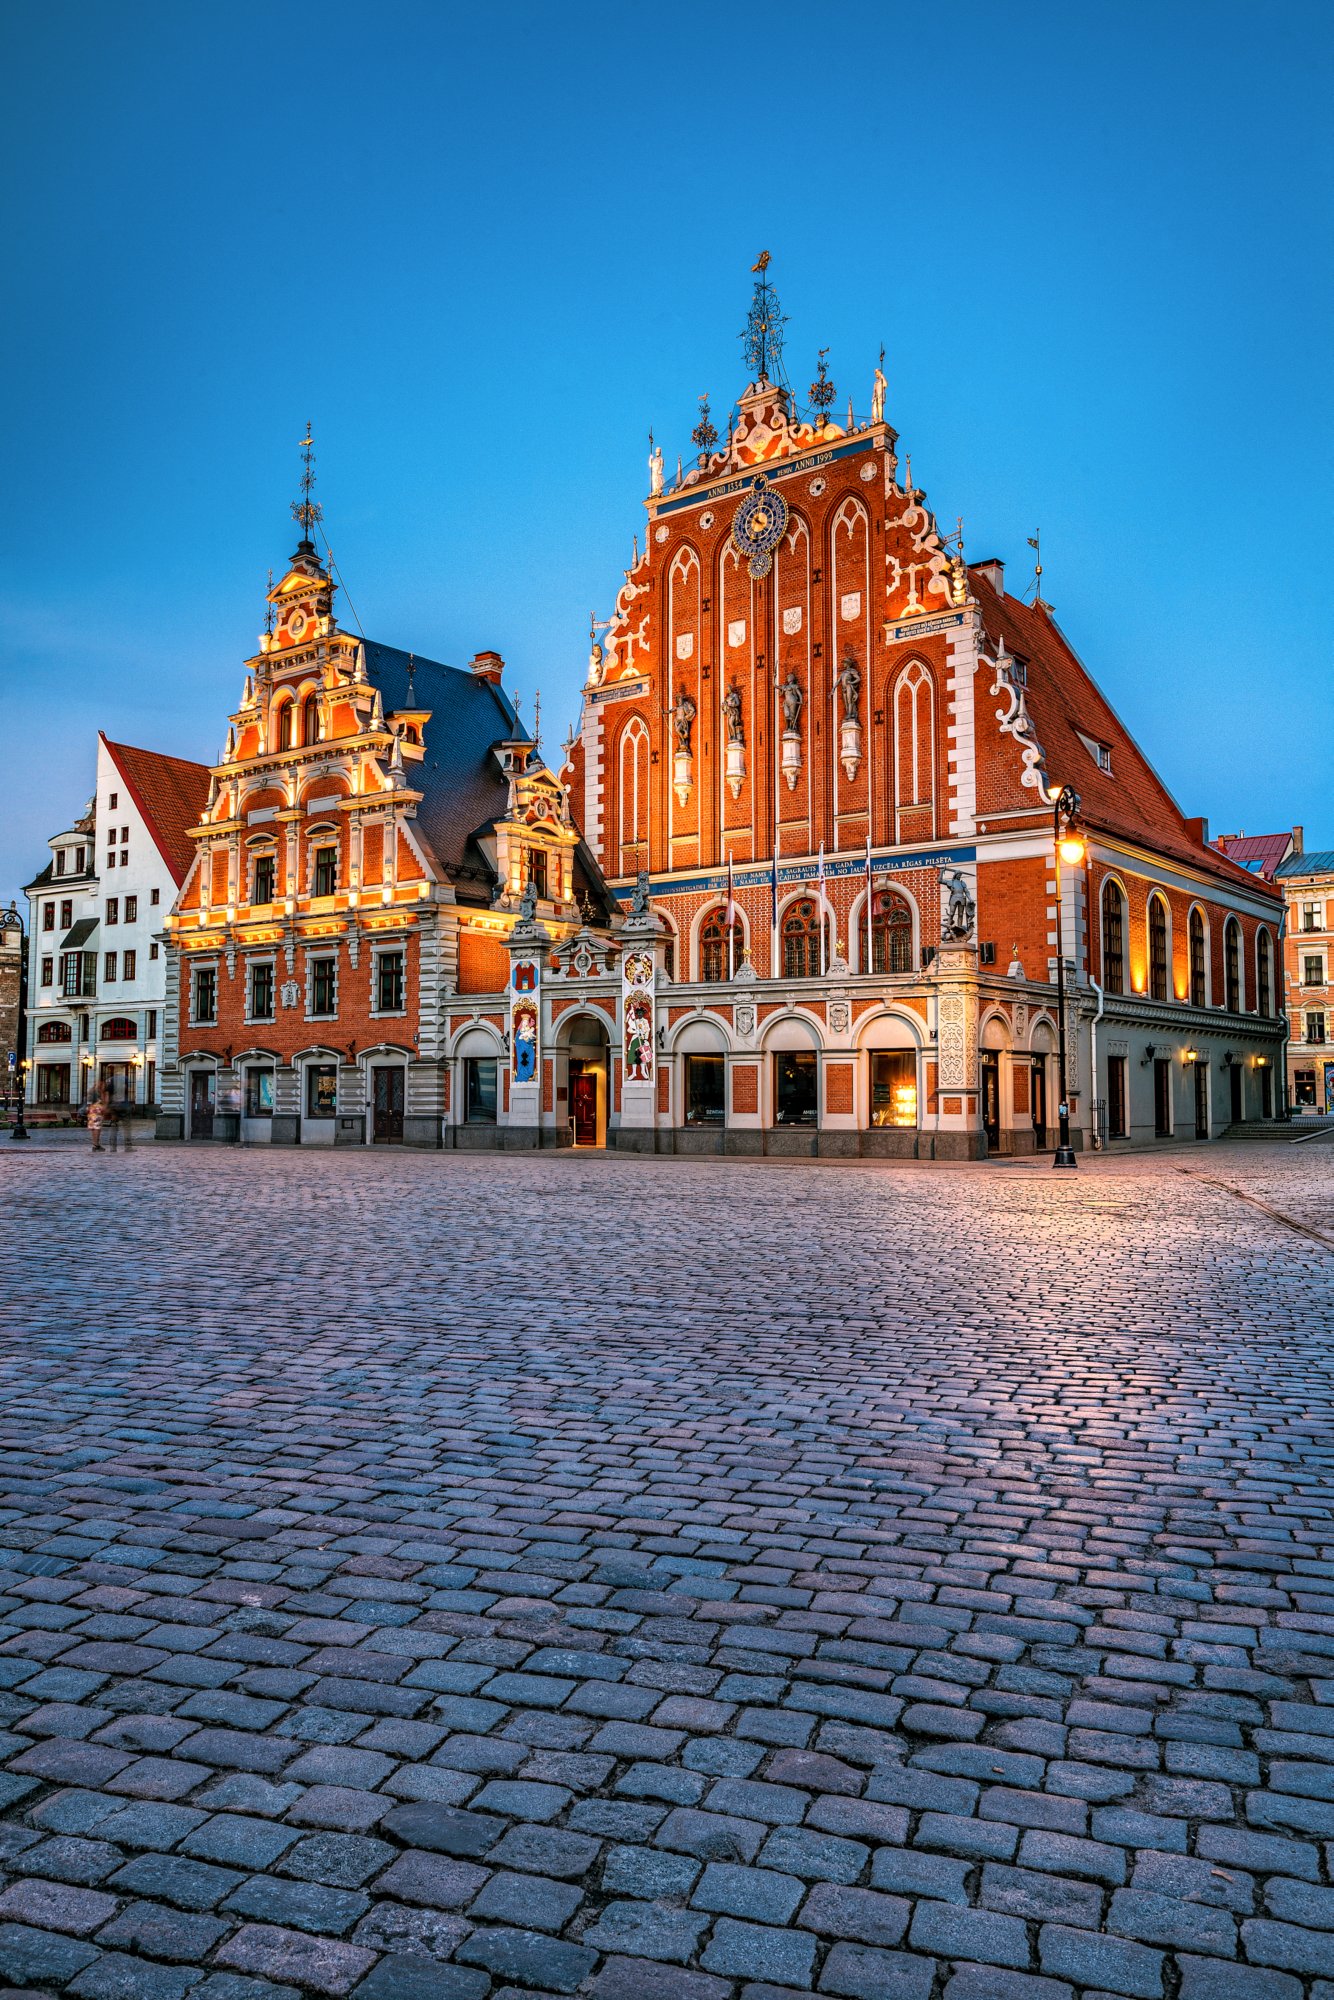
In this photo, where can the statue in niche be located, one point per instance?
(792, 702)
(639, 900)
(849, 686)
(960, 910)
(732, 714)
(682, 716)
(528, 900)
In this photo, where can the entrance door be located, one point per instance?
(1234, 1084)
(1162, 1098)
(584, 1104)
(1266, 1092)
(202, 1085)
(1040, 1103)
(387, 1125)
(1201, 1101)
(991, 1101)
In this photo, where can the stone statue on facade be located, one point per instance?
(732, 714)
(792, 702)
(654, 470)
(682, 716)
(960, 912)
(878, 392)
(849, 686)
(639, 900)
(528, 901)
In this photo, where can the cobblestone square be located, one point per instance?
(447, 1577)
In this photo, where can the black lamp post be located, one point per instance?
(11, 920)
(1069, 843)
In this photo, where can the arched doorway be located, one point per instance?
(1041, 1046)
(583, 1072)
(995, 1041)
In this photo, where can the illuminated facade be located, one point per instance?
(807, 714)
(374, 830)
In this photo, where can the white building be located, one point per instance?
(97, 968)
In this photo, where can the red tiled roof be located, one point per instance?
(1259, 852)
(170, 793)
(1131, 799)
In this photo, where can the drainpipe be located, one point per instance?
(1093, 1056)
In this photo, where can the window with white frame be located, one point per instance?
(390, 986)
(204, 995)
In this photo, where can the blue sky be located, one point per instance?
(484, 250)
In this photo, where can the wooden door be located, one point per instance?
(1201, 1101)
(201, 1103)
(991, 1101)
(1040, 1102)
(387, 1116)
(1234, 1085)
(584, 1106)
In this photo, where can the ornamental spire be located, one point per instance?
(307, 511)
(762, 340)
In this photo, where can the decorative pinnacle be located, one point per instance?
(762, 340)
(307, 511)
(822, 389)
(704, 436)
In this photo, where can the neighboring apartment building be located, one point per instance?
(1307, 881)
(97, 968)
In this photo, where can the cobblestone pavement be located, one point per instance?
(438, 1577)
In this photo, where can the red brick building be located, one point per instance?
(808, 709)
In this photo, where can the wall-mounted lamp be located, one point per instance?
(1150, 1051)
(1189, 1056)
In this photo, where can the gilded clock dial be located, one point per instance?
(758, 526)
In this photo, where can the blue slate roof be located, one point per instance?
(1320, 863)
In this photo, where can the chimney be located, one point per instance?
(993, 569)
(487, 667)
(1299, 840)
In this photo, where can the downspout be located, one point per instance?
(1095, 1136)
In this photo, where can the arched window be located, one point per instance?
(1232, 964)
(914, 750)
(801, 941)
(633, 797)
(1264, 971)
(716, 956)
(284, 728)
(1113, 938)
(1157, 948)
(891, 933)
(1198, 983)
(310, 719)
(120, 1029)
(55, 1031)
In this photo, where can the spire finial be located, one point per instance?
(268, 605)
(307, 511)
(822, 390)
(537, 719)
(1035, 543)
(763, 337)
(704, 436)
(412, 674)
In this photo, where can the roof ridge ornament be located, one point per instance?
(307, 511)
(762, 341)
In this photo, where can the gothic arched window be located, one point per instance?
(801, 940)
(1232, 965)
(1157, 948)
(1113, 938)
(716, 959)
(891, 933)
(1198, 982)
(632, 789)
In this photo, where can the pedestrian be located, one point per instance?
(97, 1116)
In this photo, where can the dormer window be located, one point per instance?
(1100, 752)
(537, 869)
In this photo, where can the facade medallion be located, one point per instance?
(706, 520)
(817, 487)
(660, 533)
(868, 472)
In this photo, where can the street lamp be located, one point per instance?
(1070, 848)
(11, 920)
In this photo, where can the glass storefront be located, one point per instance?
(893, 1087)
(705, 1104)
(796, 1090)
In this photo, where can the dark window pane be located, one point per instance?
(479, 1074)
(705, 1103)
(321, 1090)
(796, 1094)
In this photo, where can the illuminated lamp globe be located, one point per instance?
(1071, 848)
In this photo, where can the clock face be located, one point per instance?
(758, 525)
